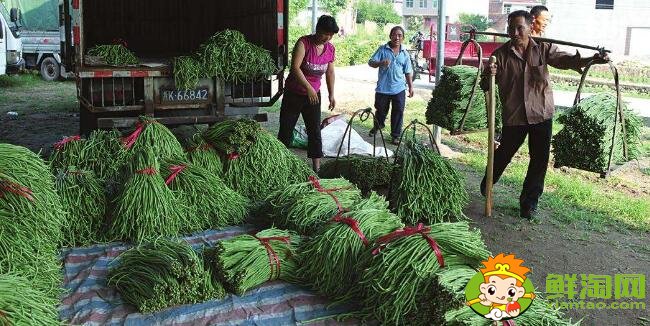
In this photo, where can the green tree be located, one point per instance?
(480, 22)
(380, 13)
(295, 6)
(334, 6)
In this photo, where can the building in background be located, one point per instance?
(499, 10)
(621, 26)
(428, 9)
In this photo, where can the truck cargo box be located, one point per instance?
(156, 31)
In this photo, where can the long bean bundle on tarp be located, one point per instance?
(426, 187)
(211, 204)
(229, 56)
(233, 137)
(150, 134)
(538, 314)
(68, 151)
(305, 207)
(366, 172)
(114, 54)
(162, 273)
(201, 153)
(402, 268)
(31, 219)
(586, 139)
(248, 260)
(329, 259)
(146, 208)
(267, 166)
(23, 304)
(449, 101)
(85, 198)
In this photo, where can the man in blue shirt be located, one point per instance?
(395, 73)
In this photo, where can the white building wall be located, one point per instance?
(457, 7)
(579, 21)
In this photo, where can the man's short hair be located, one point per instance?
(396, 28)
(327, 24)
(535, 11)
(521, 13)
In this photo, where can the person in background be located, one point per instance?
(395, 71)
(313, 56)
(527, 102)
(541, 18)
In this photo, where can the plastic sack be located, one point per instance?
(299, 137)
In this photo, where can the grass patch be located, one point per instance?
(21, 80)
(56, 96)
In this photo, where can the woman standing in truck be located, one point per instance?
(313, 56)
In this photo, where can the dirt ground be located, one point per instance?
(547, 245)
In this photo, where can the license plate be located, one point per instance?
(184, 95)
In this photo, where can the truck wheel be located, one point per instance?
(50, 69)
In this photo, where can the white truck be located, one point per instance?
(39, 31)
(11, 60)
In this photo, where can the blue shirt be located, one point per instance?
(392, 79)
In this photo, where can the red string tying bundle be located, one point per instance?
(274, 260)
(129, 140)
(12, 187)
(175, 170)
(60, 144)
(147, 171)
(409, 231)
(354, 225)
(233, 156)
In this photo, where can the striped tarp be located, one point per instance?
(89, 301)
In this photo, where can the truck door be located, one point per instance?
(3, 44)
(65, 29)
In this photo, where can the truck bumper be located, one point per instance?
(16, 67)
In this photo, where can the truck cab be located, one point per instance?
(11, 60)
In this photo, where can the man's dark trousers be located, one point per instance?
(539, 143)
(382, 102)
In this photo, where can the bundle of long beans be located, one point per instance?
(231, 137)
(538, 314)
(246, 261)
(162, 273)
(449, 101)
(31, 218)
(267, 166)
(402, 268)
(305, 207)
(150, 134)
(426, 187)
(187, 71)
(201, 153)
(68, 151)
(23, 304)
(365, 172)
(229, 56)
(586, 139)
(114, 54)
(211, 204)
(329, 259)
(146, 208)
(104, 154)
(85, 198)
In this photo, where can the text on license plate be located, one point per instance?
(189, 95)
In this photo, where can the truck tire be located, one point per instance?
(50, 69)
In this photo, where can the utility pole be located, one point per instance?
(440, 58)
(314, 9)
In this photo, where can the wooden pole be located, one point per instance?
(490, 163)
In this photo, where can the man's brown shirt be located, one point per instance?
(523, 81)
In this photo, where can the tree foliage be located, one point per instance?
(295, 6)
(481, 23)
(334, 6)
(380, 13)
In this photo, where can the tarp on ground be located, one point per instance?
(37, 15)
(89, 301)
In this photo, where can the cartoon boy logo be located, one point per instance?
(500, 290)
